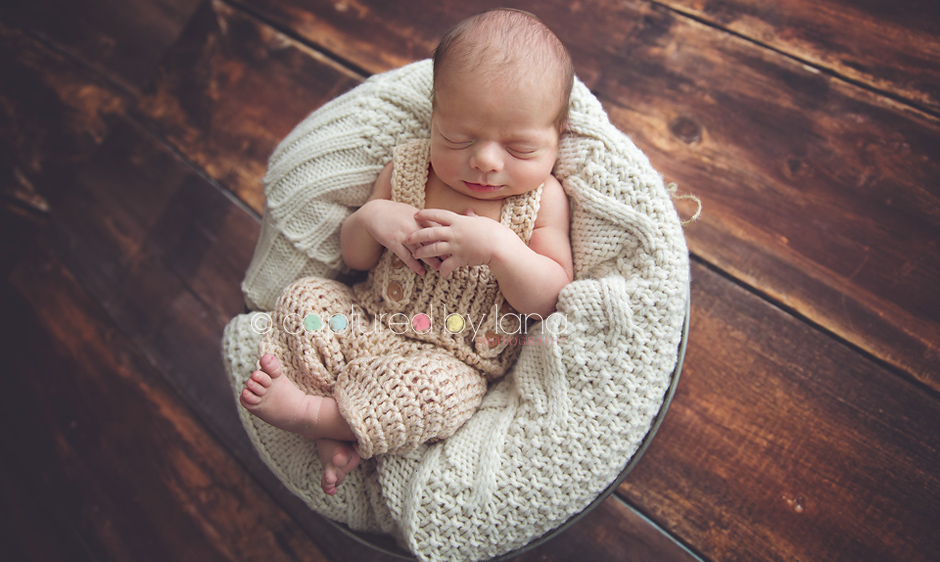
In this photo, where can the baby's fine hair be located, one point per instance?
(502, 39)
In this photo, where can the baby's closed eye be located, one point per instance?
(457, 141)
(522, 151)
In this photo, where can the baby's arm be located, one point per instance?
(379, 224)
(530, 277)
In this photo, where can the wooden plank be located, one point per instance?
(122, 462)
(53, 114)
(594, 537)
(372, 36)
(29, 524)
(891, 46)
(783, 444)
(231, 88)
(817, 193)
(122, 40)
(163, 253)
(17, 232)
(61, 115)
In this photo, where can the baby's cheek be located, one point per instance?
(534, 174)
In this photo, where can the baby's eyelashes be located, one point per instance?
(522, 152)
(456, 141)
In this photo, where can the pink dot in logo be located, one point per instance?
(421, 323)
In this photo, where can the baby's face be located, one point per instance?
(493, 141)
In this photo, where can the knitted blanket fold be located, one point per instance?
(562, 424)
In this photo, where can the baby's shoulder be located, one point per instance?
(553, 204)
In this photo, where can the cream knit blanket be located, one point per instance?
(562, 424)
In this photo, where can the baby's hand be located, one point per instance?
(390, 223)
(456, 240)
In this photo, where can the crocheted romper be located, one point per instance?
(407, 357)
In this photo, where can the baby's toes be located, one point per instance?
(329, 481)
(248, 398)
(255, 387)
(261, 378)
(270, 365)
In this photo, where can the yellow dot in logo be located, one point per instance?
(454, 323)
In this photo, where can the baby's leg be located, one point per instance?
(288, 395)
(310, 352)
(275, 399)
(396, 402)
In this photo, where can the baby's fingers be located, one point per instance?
(435, 249)
(427, 223)
(439, 216)
(426, 236)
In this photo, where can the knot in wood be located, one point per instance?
(686, 129)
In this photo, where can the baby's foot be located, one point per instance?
(338, 458)
(275, 399)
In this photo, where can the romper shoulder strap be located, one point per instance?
(519, 212)
(410, 172)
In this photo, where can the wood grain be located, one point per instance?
(817, 193)
(163, 253)
(783, 444)
(231, 88)
(370, 36)
(889, 46)
(595, 537)
(124, 464)
(121, 40)
(52, 114)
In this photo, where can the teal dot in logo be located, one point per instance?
(312, 323)
(338, 323)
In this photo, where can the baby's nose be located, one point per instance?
(487, 157)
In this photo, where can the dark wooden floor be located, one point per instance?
(133, 136)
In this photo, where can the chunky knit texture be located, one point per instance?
(395, 392)
(486, 320)
(561, 425)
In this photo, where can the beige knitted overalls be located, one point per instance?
(406, 356)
